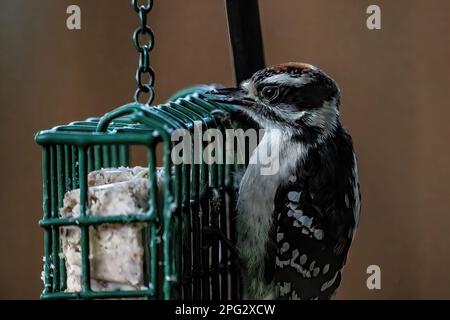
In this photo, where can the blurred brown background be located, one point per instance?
(395, 85)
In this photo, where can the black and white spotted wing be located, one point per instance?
(315, 217)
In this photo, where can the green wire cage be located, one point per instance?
(181, 261)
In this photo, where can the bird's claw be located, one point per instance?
(223, 117)
(212, 233)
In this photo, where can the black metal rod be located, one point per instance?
(245, 37)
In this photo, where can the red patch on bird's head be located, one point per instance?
(297, 66)
(295, 69)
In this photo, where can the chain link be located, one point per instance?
(138, 7)
(143, 40)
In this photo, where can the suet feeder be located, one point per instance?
(179, 260)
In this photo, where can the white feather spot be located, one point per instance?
(318, 234)
(295, 265)
(357, 204)
(328, 284)
(297, 214)
(280, 236)
(325, 269)
(306, 221)
(294, 196)
(281, 263)
(284, 247)
(303, 259)
(350, 233)
(316, 272)
(295, 254)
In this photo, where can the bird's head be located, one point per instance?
(294, 97)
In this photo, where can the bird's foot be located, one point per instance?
(223, 117)
(214, 234)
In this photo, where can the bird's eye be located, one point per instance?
(270, 93)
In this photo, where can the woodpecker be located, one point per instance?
(295, 226)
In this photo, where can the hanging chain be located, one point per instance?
(144, 48)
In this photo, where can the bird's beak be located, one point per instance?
(234, 96)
